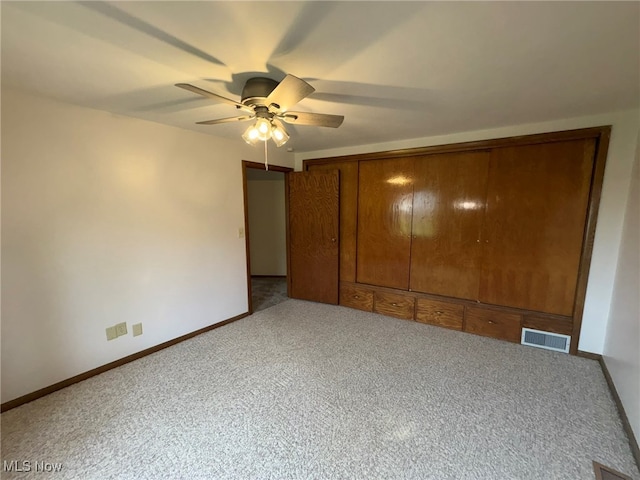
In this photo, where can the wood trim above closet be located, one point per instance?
(582, 133)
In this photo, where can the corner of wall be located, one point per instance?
(621, 351)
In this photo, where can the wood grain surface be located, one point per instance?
(348, 215)
(313, 236)
(443, 314)
(399, 306)
(354, 296)
(493, 323)
(537, 200)
(448, 209)
(384, 222)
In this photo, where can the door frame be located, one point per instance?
(275, 168)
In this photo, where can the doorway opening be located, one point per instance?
(266, 232)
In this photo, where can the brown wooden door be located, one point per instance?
(313, 236)
(384, 222)
(537, 199)
(448, 208)
(348, 214)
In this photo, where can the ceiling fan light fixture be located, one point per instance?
(279, 135)
(251, 135)
(263, 126)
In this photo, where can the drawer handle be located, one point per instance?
(439, 312)
(356, 296)
(491, 322)
(394, 304)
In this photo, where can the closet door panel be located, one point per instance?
(348, 214)
(448, 208)
(385, 191)
(537, 200)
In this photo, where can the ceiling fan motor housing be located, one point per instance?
(256, 90)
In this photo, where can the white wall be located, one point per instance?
(622, 346)
(267, 225)
(109, 219)
(611, 212)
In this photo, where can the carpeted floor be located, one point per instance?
(268, 291)
(310, 391)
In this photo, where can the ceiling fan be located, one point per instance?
(268, 102)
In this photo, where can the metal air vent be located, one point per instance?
(546, 340)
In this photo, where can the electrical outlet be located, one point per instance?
(137, 329)
(111, 333)
(121, 329)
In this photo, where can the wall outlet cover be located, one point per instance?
(111, 333)
(121, 329)
(137, 329)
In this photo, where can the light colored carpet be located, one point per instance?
(309, 391)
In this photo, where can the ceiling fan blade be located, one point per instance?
(289, 92)
(227, 120)
(213, 96)
(317, 119)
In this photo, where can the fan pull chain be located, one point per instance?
(266, 161)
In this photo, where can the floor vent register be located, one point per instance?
(546, 340)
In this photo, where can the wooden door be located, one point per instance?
(348, 214)
(313, 236)
(385, 195)
(448, 208)
(537, 199)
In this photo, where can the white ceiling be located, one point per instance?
(395, 70)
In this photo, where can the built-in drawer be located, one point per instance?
(354, 296)
(443, 314)
(563, 326)
(493, 323)
(399, 306)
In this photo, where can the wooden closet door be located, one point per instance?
(537, 200)
(348, 214)
(448, 208)
(313, 236)
(385, 194)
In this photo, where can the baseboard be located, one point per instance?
(30, 397)
(589, 355)
(268, 276)
(633, 442)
